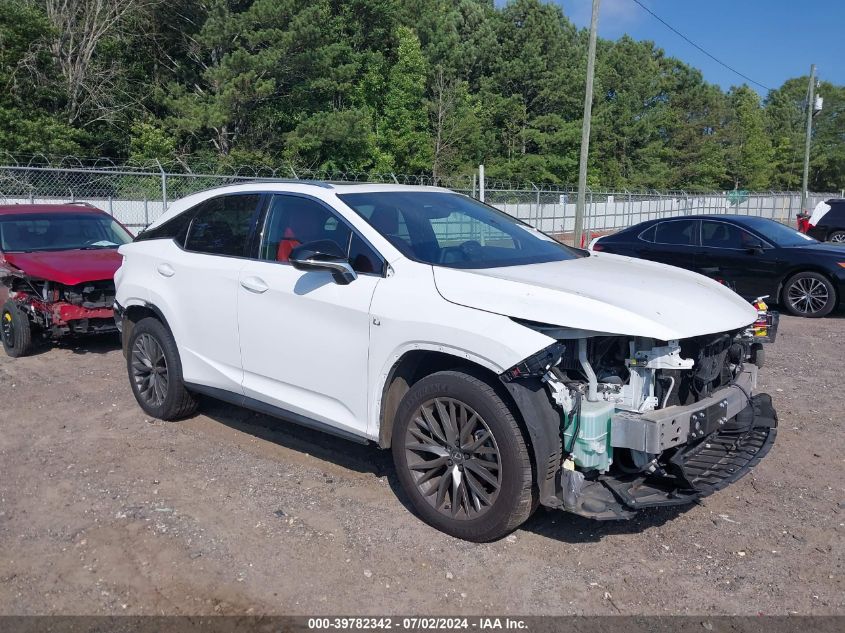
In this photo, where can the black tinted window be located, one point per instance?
(722, 235)
(294, 220)
(836, 213)
(648, 234)
(452, 230)
(221, 226)
(174, 229)
(680, 232)
(362, 257)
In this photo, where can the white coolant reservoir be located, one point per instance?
(591, 449)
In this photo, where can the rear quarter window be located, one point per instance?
(174, 229)
(836, 215)
(648, 234)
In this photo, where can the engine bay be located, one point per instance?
(636, 413)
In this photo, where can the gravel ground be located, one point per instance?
(105, 511)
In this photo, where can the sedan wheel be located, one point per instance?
(809, 294)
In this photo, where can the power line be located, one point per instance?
(715, 59)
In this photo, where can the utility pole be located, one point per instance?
(811, 104)
(585, 128)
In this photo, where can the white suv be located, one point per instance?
(504, 369)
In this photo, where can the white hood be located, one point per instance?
(602, 293)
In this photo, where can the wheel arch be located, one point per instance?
(529, 403)
(133, 314)
(832, 231)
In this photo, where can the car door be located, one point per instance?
(671, 242)
(305, 338)
(196, 288)
(738, 258)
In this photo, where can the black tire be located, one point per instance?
(758, 355)
(16, 330)
(809, 294)
(837, 237)
(155, 372)
(505, 507)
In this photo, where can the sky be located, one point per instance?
(767, 40)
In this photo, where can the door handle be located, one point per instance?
(254, 284)
(165, 270)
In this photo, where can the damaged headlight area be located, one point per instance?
(56, 309)
(640, 422)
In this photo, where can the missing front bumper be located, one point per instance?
(692, 472)
(662, 429)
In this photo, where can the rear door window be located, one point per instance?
(223, 225)
(676, 232)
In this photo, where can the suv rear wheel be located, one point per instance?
(155, 372)
(462, 458)
(16, 330)
(837, 237)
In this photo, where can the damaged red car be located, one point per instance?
(57, 265)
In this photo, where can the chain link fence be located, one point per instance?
(137, 194)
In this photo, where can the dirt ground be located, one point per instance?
(104, 511)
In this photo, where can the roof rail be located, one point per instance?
(295, 181)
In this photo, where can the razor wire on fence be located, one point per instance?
(137, 194)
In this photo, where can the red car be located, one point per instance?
(57, 265)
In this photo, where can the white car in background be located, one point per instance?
(503, 369)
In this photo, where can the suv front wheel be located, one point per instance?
(155, 372)
(461, 457)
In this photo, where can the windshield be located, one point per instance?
(449, 229)
(33, 232)
(778, 234)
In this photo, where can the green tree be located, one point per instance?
(749, 149)
(404, 134)
(29, 118)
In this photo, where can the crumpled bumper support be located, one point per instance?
(693, 472)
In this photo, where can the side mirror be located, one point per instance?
(754, 247)
(324, 255)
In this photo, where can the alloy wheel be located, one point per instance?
(453, 458)
(149, 370)
(838, 237)
(807, 295)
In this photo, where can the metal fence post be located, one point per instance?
(163, 188)
(536, 223)
(481, 183)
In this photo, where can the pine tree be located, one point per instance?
(749, 150)
(405, 136)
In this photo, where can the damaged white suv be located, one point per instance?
(503, 369)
